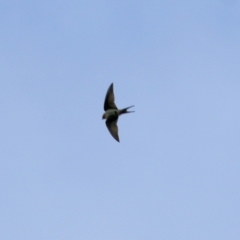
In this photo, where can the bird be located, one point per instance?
(112, 113)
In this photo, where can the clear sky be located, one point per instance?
(175, 173)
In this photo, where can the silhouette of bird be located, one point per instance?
(112, 113)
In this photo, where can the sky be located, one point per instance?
(174, 174)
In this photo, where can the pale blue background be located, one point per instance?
(175, 175)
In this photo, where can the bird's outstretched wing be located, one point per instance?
(109, 99)
(113, 128)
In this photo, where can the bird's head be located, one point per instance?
(104, 116)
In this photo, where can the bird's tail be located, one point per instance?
(125, 110)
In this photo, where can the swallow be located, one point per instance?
(112, 113)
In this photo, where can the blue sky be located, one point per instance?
(175, 173)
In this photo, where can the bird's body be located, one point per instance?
(112, 113)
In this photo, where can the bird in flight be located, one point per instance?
(112, 113)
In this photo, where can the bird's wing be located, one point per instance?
(113, 128)
(109, 99)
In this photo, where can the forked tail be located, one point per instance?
(125, 110)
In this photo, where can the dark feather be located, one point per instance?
(113, 128)
(109, 99)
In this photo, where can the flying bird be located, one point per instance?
(112, 113)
